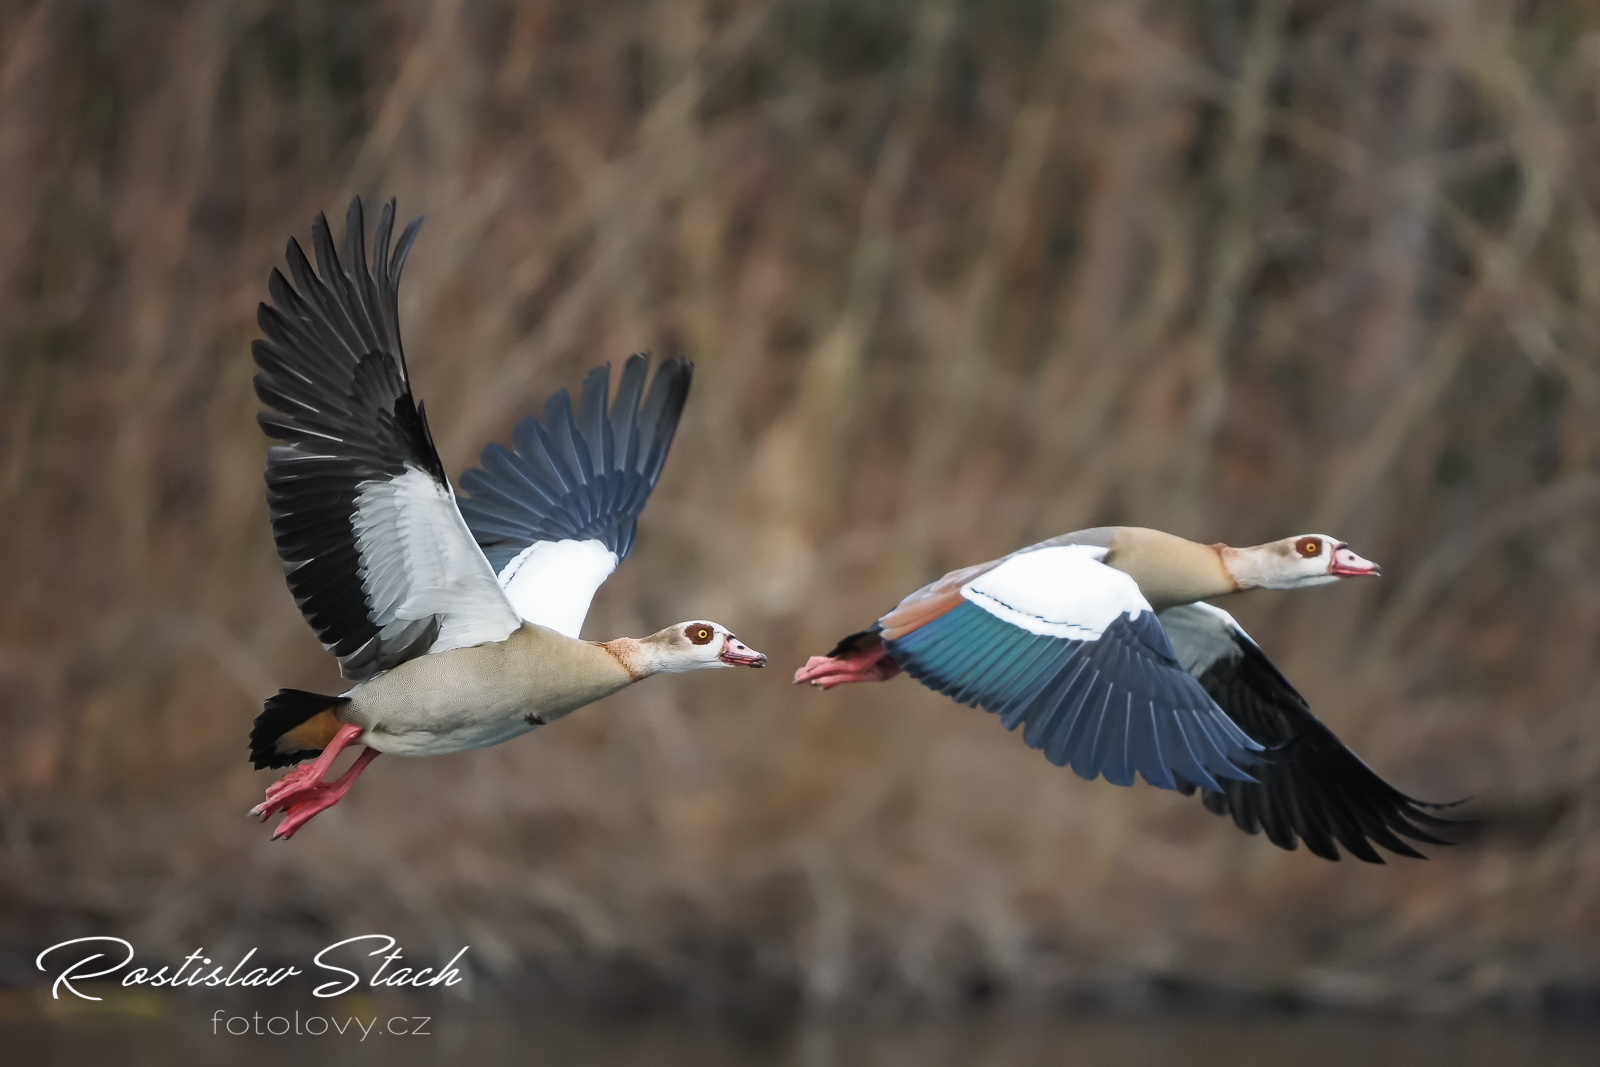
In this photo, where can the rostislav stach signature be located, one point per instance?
(84, 958)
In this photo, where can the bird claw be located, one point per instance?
(280, 794)
(299, 811)
(302, 793)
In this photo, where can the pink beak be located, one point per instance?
(738, 654)
(1346, 564)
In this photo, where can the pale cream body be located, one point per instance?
(483, 695)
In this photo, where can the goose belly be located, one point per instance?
(467, 698)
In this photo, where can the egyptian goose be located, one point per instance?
(1100, 645)
(458, 626)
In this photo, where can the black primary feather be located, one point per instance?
(333, 374)
(1310, 787)
(578, 475)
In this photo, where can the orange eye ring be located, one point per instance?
(698, 634)
(1309, 547)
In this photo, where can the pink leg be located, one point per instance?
(302, 793)
(869, 665)
(299, 811)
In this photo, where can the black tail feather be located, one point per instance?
(858, 641)
(283, 713)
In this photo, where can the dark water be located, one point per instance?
(988, 1041)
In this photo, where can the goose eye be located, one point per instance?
(1309, 547)
(698, 634)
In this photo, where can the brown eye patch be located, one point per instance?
(1308, 547)
(699, 633)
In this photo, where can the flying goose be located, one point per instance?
(458, 625)
(1100, 645)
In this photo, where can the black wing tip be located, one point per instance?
(1389, 822)
(402, 247)
(354, 221)
(1314, 788)
(556, 483)
(679, 371)
(1442, 805)
(389, 208)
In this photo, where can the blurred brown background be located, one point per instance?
(957, 277)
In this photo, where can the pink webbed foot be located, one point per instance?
(319, 796)
(302, 793)
(868, 665)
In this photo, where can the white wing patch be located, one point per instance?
(552, 582)
(1063, 591)
(418, 559)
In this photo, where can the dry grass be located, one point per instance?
(957, 277)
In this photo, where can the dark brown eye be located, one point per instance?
(698, 634)
(1309, 547)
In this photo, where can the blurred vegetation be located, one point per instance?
(957, 277)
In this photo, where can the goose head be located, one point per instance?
(697, 645)
(1295, 563)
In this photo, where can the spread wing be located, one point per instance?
(1312, 788)
(375, 551)
(558, 512)
(1054, 641)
